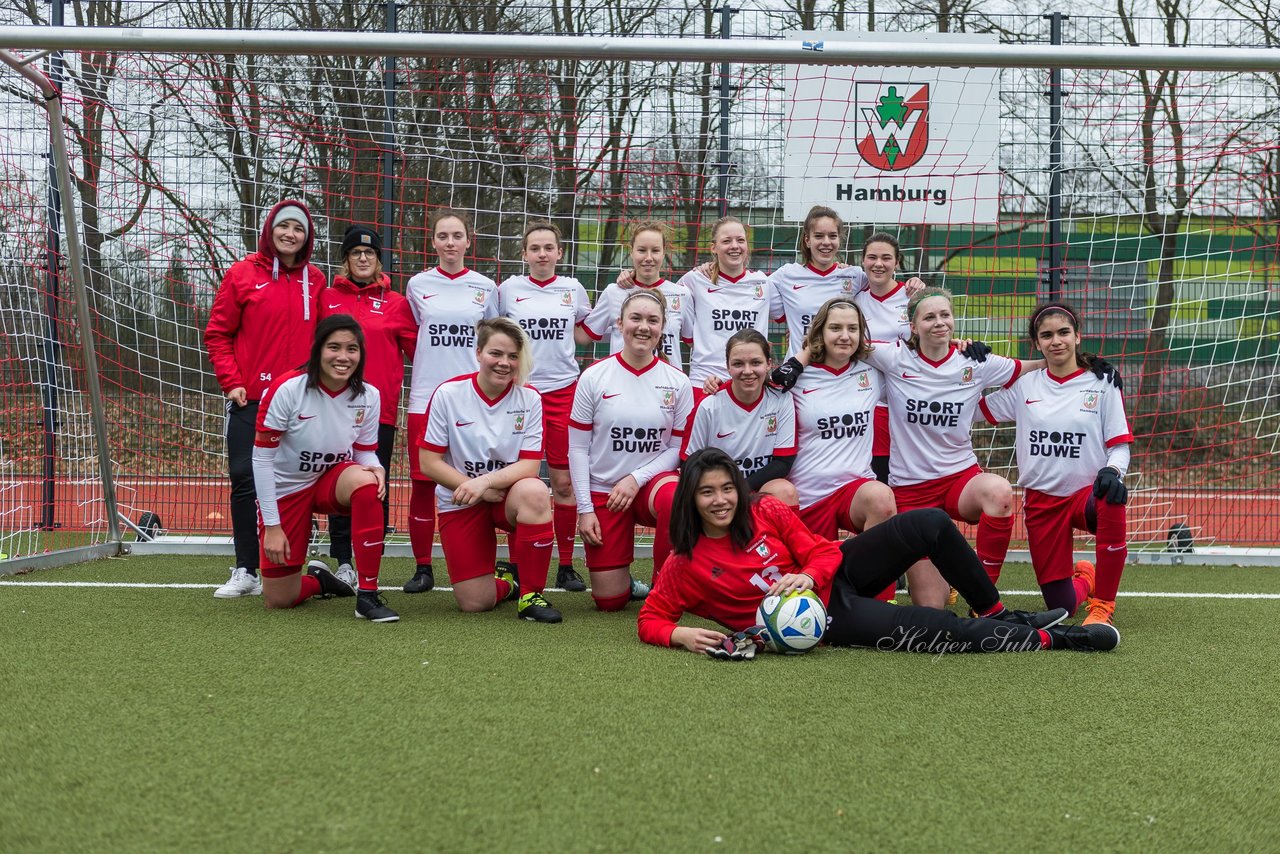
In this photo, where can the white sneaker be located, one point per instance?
(241, 583)
(347, 574)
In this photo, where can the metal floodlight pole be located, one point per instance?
(782, 51)
(75, 264)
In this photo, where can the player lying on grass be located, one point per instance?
(314, 452)
(482, 448)
(1073, 450)
(728, 552)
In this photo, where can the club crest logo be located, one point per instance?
(1091, 400)
(892, 124)
(902, 318)
(519, 422)
(771, 425)
(377, 304)
(566, 298)
(966, 376)
(477, 296)
(762, 549)
(864, 381)
(759, 291)
(673, 303)
(846, 285)
(668, 399)
(360, 416)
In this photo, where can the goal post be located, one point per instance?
(176, 141)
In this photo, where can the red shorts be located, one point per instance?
(618, 530)
(295, 518)
(943, 492)
(826, 517)
(880, 432)
(1050, 520)
(416, 428)
(556, 406)
(469, 539)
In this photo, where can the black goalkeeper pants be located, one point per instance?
(878, 556)
(241, 426)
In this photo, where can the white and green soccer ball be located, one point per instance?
(793, 623)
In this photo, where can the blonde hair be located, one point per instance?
(715, 229)
(486, 329)
(816, 213)
(814, 342)
(914, 303)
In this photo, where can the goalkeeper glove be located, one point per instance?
(739, 646)
(1109, 487)
(785, 375)
(1104, 370)
(977, 351)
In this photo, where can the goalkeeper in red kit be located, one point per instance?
(728, 553)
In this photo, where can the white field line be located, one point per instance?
(1128, 594)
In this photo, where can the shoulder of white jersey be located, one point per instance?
(693, 277)
(510, 280)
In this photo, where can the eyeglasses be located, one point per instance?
(362, 253)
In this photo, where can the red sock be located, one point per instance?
(662, 499)
(1046, 641)
(531, 551)
(888, 593)
(309, 587)
(993, 543)
(612, 603)
(422, 520)
(366, 534)
(994, 609)
(565, 519)
(1081, 586)
(1112, 550)
(501, 587)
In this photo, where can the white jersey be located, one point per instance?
(800, 290)
(931, 408)
(886, 316)
(314, 429)
(720, 310)
(834, 417)
(447, 307)
(603, 319)
(547, 312)
(477, 435)
(750, 433)
(633, 416)
(1065, 427)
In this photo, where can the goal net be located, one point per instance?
(1170, 209)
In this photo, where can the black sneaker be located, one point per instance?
(639, 590)
(567, 579)
(1034, 619)
(534, 607)
(513, 584)
(503, 567)
(424, 578)
(331, 586)
(372, 607)
(1095, 637)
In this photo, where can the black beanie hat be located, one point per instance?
(359, 235)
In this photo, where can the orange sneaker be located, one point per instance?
(1084, 569)
(1100, 611)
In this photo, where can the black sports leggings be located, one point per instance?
(340, 526)
(241, 426)
(877, 556)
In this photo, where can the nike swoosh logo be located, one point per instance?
(714, 290)
(522, 299)
(429, 296)
(548, 544)
(1029, 401)
(725, 435)
(261, 286)
(305, 417)
(463, 423)
(420, 519)
(993, 562)
(373, 545)
(907, 376)
(809, 390)
(607, 396)
(335, 305)
(796, 287)
(1116, 548)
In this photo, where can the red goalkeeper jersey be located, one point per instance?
(724, 583)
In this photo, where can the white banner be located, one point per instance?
(893, 144)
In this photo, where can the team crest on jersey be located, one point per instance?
(519, 426)
(902, 318)
(771, 425)
(566, 298)
(668, 399)
(377, 304)
(360, 416)
(846, 285)
(762, 548)
(673, 303)
(759, 291)
(966, 376)
(1091, 400)
(477, 296)
(864, 381)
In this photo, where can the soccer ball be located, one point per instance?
(793, 623)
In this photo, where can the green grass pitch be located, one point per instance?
(141, 719)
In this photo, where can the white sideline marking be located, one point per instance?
(1127, 594)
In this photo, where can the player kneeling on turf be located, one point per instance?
(482, 449)
(315, 452)
(728, 553)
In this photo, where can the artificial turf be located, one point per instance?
(158, 719)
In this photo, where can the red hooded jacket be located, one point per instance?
(264, 315)
(390, 333)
